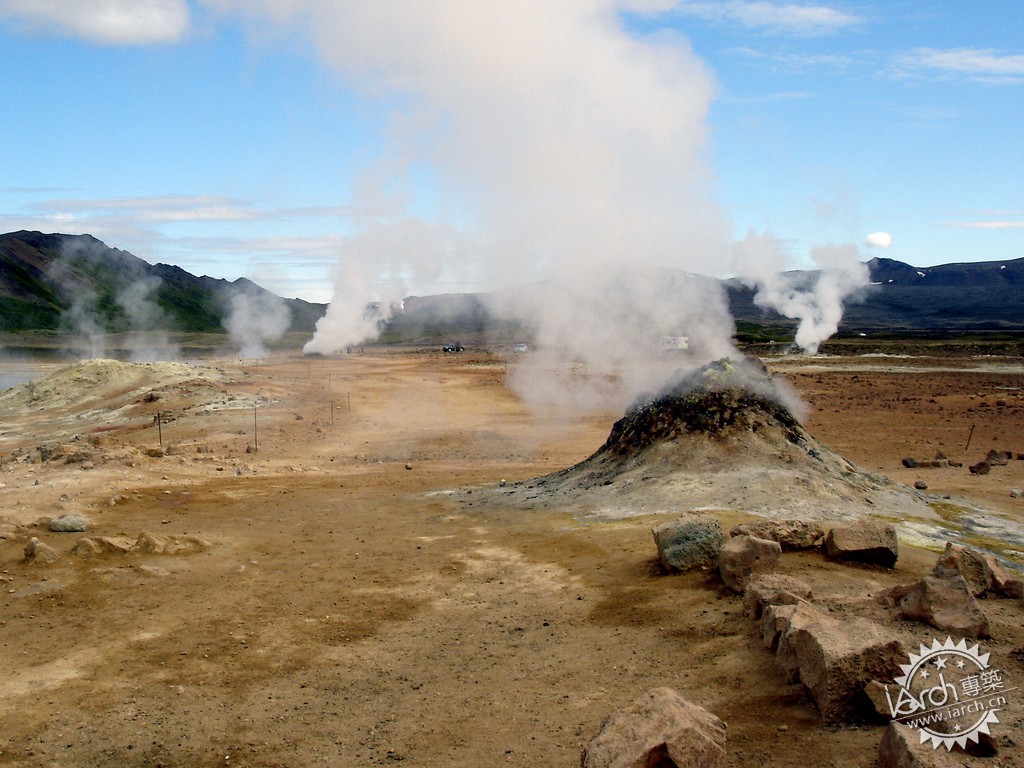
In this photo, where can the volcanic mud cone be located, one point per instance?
(723, 436)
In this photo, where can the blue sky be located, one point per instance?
(258, 139)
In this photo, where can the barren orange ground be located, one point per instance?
(350, 614)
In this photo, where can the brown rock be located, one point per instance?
(40, 552)
(660, 729)
(875, 691)
(998, 458)
(836, 659)
(901, 747)
(150, 543)
(981, 572)
(865, 541)
(981, 468)
(742, 556)
(90, 546)
(1013, 587)
(945, 602)
(792, 535)
(774, 589)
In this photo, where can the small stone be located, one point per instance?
(921, 485)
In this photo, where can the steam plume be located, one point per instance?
(814, 299)
(148, 339)
(254, 319)
(563, 148)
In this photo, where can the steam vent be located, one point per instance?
(724, 400)
(721, 437)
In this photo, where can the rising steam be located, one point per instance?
(559, 147)
(814, 299)
(255, 318)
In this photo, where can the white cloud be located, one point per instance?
(880, 240)
(773, 18)
(178, 208)
(969, 63)
(799, 62)
(109, 22)
(986, 224)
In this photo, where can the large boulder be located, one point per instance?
(689, 542)
(792, 535)
(864, 541)
(836, 659)
(660, 729)
(742, 556)
(945, 602)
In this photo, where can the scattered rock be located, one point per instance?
(998, 458)
(145, 543)
(792, 535)
(774, 589)
(982, 572)
(689, 542)
(90, 546)
(40, 552)
(1016, 493)
(742, 556)
(157, 544)
(1013, 587)
(944, 601)
(929, 464)
(901, 747)
(981, 468)
(155, 453)
(875, 691)
(910, 463)
(921, 485)
(68, 524)
(9, 530)
(658, 730)
(836, 659)
(866, 541)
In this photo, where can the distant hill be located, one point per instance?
(58, 282)
(53, 281)
(950, 298)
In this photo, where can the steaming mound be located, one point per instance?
(720, 437)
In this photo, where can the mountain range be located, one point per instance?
(50, 282)
(57, 282)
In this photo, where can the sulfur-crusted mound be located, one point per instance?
(724, 399)
(723, 436)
